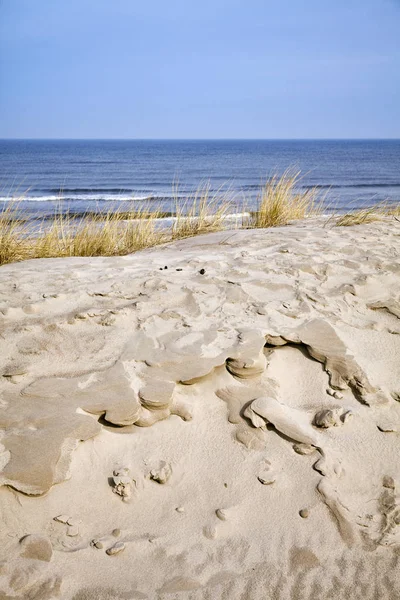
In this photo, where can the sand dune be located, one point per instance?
(218, 418)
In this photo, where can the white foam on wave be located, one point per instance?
(172, 219)
(77, 197)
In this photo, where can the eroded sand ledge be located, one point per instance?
(260, 406)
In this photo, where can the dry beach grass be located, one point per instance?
(368, 214)
(110, 234)
(280, 202)
(122, 231)
(203, 212)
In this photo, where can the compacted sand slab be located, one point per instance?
(218, 418)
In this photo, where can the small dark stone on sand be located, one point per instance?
(202, 271)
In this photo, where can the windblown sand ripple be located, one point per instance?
(218, 418)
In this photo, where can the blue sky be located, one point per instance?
(199, 68)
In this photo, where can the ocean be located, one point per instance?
(99, 174)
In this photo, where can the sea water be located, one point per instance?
(82, 175)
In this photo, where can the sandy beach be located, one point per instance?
(214, 419)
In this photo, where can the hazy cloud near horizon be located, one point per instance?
(216, 69)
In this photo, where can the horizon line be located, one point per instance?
(232, 139)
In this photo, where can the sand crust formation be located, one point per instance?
(218, 418)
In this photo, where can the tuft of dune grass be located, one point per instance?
(203, 212)
(368, 214)
(104, 235)
(393, 210)
(360, 217)
(280, 202)
(13, 235)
